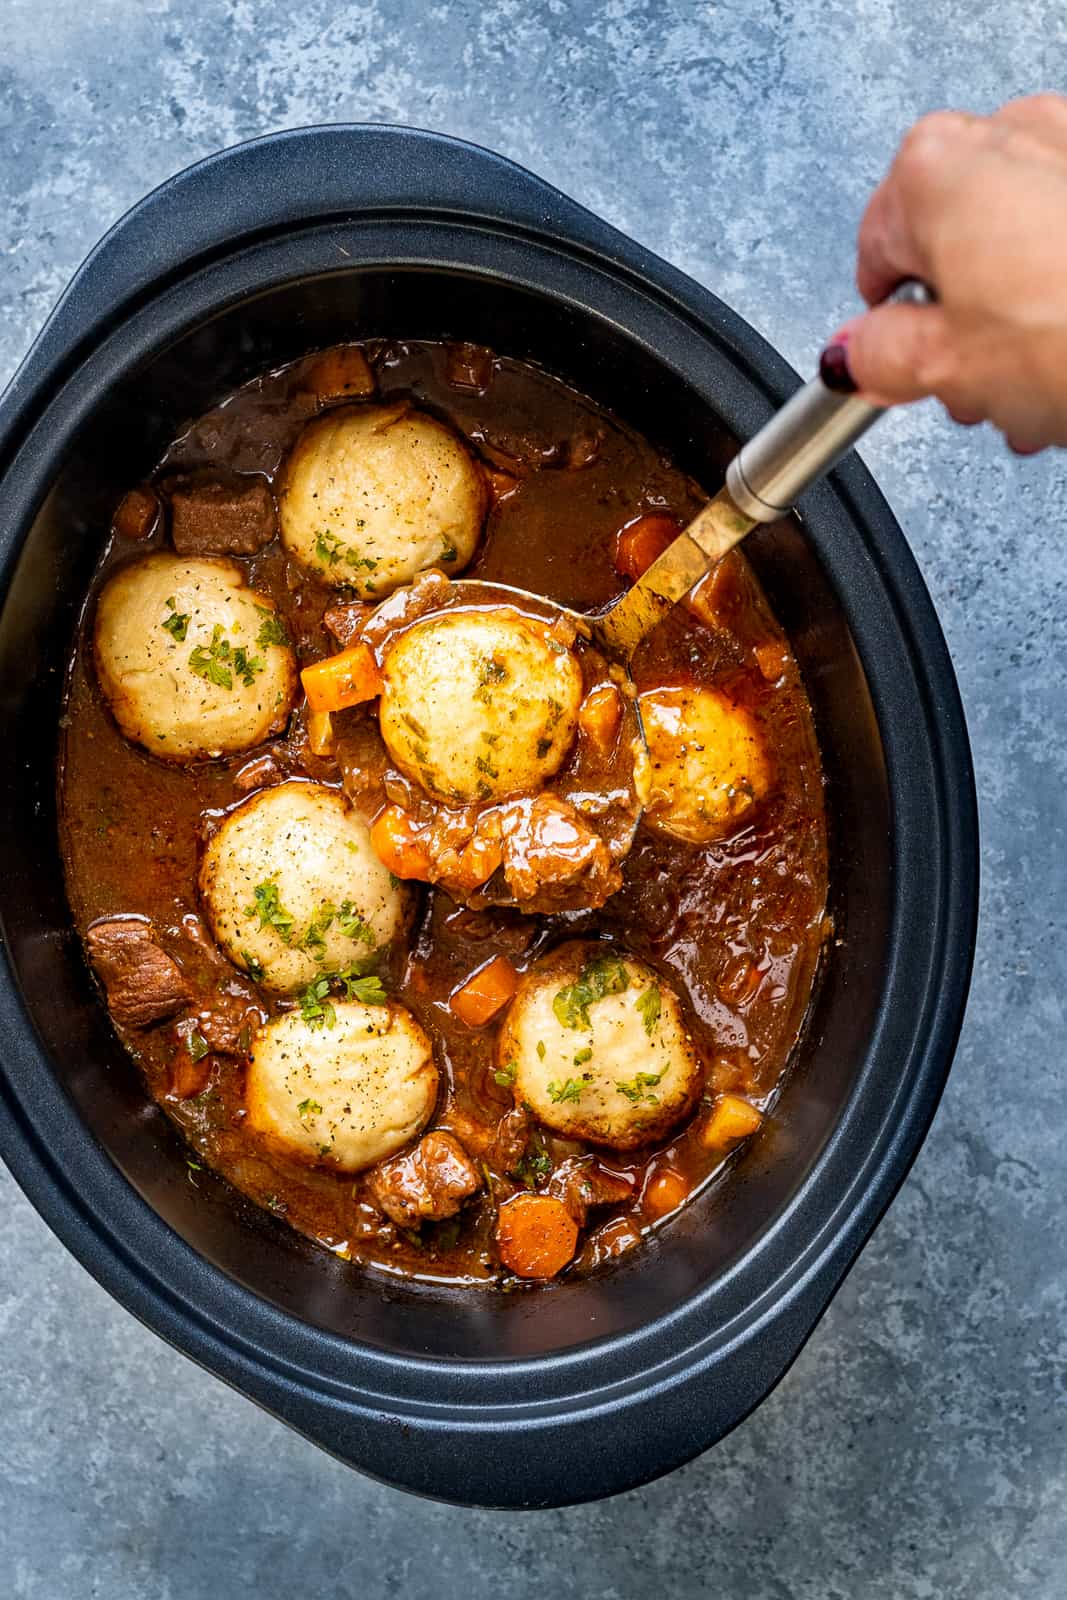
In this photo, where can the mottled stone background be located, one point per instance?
(916, 1450)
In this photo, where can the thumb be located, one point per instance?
(895, 353)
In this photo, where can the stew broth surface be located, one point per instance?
(736, 926)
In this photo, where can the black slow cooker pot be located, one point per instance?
(578, 1389)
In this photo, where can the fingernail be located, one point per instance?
(834, 368)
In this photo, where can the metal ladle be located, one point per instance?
(798, 446)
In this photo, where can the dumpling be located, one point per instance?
(374, 495)
(193, 663)
(345, 1093)
(293, 889)
(595, 1044)
(479, 705)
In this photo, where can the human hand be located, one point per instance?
(977, 208)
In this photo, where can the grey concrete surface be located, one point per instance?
(916, 1450)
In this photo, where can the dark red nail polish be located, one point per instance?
(834, 369)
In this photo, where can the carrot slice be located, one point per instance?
(342, 680)
(397, 846)
(536, 1235)
(664, 1192)
(485, 992)
(599, 715)
(641, 541)
(732, 1119)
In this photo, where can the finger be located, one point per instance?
(898, 353)
(1042, 116)
(886, 249)
(1020, 447)
(892, 236)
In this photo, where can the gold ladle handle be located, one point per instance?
(802, 442)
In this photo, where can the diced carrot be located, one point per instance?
(137, 514)
(732, 1119)
(485, 992)
(772, 658)
(187, 1077)
(342, 680)
(536, 1235)
(320, 733)
(641, 541)
(664, 1192)
(397, 845)
(343, 371)
(599, 715)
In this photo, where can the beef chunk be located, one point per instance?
(136, 514)
(143, 984)
(468, 367)
(428, 1184)
(363, 759)
(228, 1023)
(222, 517)
(345, 621)
(259, 773)
(581, 1182)
(510, 1140)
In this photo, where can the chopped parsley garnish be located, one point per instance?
(650, 1004)
(246, 666)
(490, 671)
(535, 1165)
(602, 976)
(449, 553)
(253, 967)
(352, 924)
(197, 1045)
(313, 940)
(271, 913)
(218, 661)
(365, 987)
(540, 1049)
(309, 1108)
(330, 550)
(583, 1056)
(271, 629)
(483, 764)
(317, 1009)
(568, 1091)
(638, 1088)
(177, 624)
(505, 1075)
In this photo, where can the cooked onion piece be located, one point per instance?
(293, 889)
(708, 764)
(373, 495)
(193, 663)
(479, 705)
(347, 1093)
(595, 1044)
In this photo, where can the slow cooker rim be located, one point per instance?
(510, 1365)
(925, 643)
